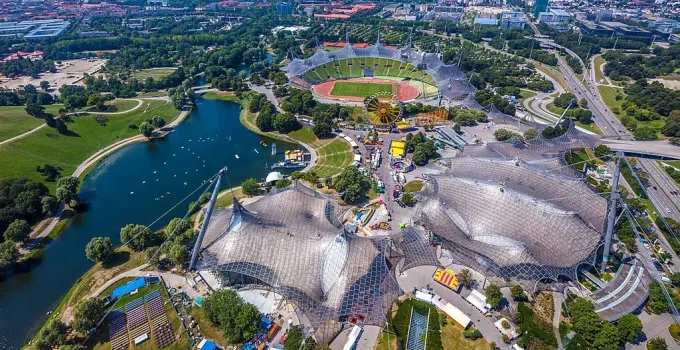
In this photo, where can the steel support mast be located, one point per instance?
(206, 220)
(611, 215)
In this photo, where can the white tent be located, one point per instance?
(478, 300)
(273, 177)
(459, 316)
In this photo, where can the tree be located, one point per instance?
(629, 327)
(602, 151)
(465, 278)
(45, 85)
(177, 226)
(9, 253)
(64, 194)
(408, 199)
(265, 121)
(503, 134)
(54, 333)
(530, 134)
(583, 102)
(517, 292)
(283, 183)
(608, 338)
(238, 320)
(158, 121)
(139, 236)
(87, 314)
(472, 333)
(354, 185)
(419, 158)
(493, 346)
(250, 187)
(493, 295)
(70, 182)
(146, 129)
(99, 249)
(96, 100)
(49, 205)
(35, 110)
(178, 253)
(18, 231)
(657, 344)
(675, 279)
(285, 123)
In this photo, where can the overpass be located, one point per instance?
(660, 149)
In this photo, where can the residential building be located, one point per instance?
(604, 15)
(284, 8)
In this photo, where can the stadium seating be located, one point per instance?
(354, 68)
(137, 317)
(163, 336)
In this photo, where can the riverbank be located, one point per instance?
(328, 156)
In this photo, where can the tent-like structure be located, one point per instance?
(514, 219)
(292, 242)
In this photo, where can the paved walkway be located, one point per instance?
(558, 298)
(139, 104)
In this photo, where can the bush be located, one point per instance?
(250, 187)
(472, 333)
(408, 199)
(283, 183)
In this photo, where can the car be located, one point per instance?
(673, 192)
(654, 187)
(668, 210)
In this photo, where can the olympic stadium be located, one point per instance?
(412, 74)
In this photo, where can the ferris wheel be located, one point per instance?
(382, 108)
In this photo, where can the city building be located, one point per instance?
(512, 20)
(664, 25)
(486, 18)
(604, 15)
(540, 6)
(590, 28)
(284, 8)
(35, 29)
(628, 31)
(555, 16)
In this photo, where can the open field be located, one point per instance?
(155, 73)
(15, 121)
(344, 88)
(68, 72)
(333, 158)
(453, 338)
(671, 82)
(609, 98)
(85, 137)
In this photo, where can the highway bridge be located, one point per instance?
(661, 149)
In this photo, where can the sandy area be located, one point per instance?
(68, 73)
(671, 84)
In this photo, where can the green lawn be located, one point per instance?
(413, 186)
(609, 98)
(333, 158)
(15, 121)
(227, 199)
(343, 88)
(155, 73)
(453, 338)
(87, 136)
(549, 72)
(524, 95)
(599, 75)
(673, 163)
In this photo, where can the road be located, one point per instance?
(667, 203)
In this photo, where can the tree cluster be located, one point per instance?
(504, 134)
(599, 333)
(237, 319)
(423, 148)
(486, 98)
(353, 185)
(636, 67)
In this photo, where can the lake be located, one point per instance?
(136, 184)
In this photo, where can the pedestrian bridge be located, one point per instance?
(661, 149)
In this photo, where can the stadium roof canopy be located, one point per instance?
(451, 82)
(293, 242)
(514, 219)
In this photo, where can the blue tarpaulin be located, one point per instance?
(199, 301)
(265, 323)
(207, 345)
(128, 287)
(249, 346)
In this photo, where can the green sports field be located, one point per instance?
(344, 88)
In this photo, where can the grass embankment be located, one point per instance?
(333, 154)
(549, 72)
(343, 88)
(226, 198)
(599, 75)
(15, 121)
(453, 338)
(155, 73)
(609, 94)
(524, 94)
(592, 127)
(85, 137)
